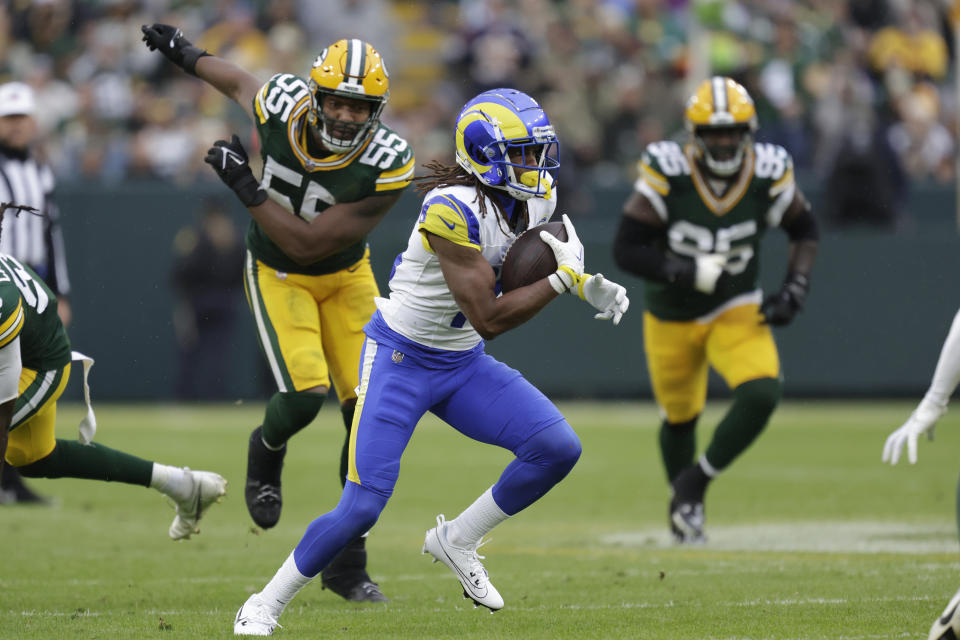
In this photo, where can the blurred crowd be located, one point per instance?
(861, 92)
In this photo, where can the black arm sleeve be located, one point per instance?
(640, 249)
(802, 227)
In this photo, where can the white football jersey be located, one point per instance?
(421, 306)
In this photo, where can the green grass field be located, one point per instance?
(810, 536)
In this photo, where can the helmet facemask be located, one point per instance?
(341, 136)
(347, 70)
(526, 165)
(722, 148)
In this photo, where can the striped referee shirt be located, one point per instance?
(34, 240)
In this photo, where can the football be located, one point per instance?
(529, 258)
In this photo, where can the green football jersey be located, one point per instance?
(28, 308)
(305, 185)
(699, 221)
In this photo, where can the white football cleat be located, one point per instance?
(208, 487)
(947, 626)
(254, 619)
(465, 564)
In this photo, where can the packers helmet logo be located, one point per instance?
(352, 66)
(720, 102)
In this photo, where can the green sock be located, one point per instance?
(753, 402)
(288, 413)
(70, 459)
(347, 411)
(678, 445)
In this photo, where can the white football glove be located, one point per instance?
(921, 421)
(606, 296)
(709, 268)
(569, 257)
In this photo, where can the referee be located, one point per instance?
(33, 239)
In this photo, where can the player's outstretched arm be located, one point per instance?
(472, 282)
(934, 404)
(225, 77)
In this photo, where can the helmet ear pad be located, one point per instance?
(479, 151)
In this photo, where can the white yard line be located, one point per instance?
(808, 536)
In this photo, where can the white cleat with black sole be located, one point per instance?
(465, 564)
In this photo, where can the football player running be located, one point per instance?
(425, 352)
(35, 357)
(692, 229)
(331, 171)
(922, 421)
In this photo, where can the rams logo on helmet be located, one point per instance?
(504, 138)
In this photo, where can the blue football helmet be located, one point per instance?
(498, 134)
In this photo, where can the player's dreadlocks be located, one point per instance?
(18, 207)
(449, 175)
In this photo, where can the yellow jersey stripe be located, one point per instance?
(656, 186)
(406, 168)
(392, 186)
(398, 182)
(258, 105)
(648, 170)
(782, 184)
(11, 328)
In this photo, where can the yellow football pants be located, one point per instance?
(311, 327)
(735, 344)
(32, 433)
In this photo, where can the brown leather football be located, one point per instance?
(529, 258)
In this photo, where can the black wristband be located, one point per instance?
(190, 56)
(246, 187)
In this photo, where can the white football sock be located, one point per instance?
(476, 521)
(947, 374)
(284, 585)
(171, 481)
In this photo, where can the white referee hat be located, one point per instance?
(16, 98)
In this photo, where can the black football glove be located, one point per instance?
(231, 163)
(780, 308)
(170, 42)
